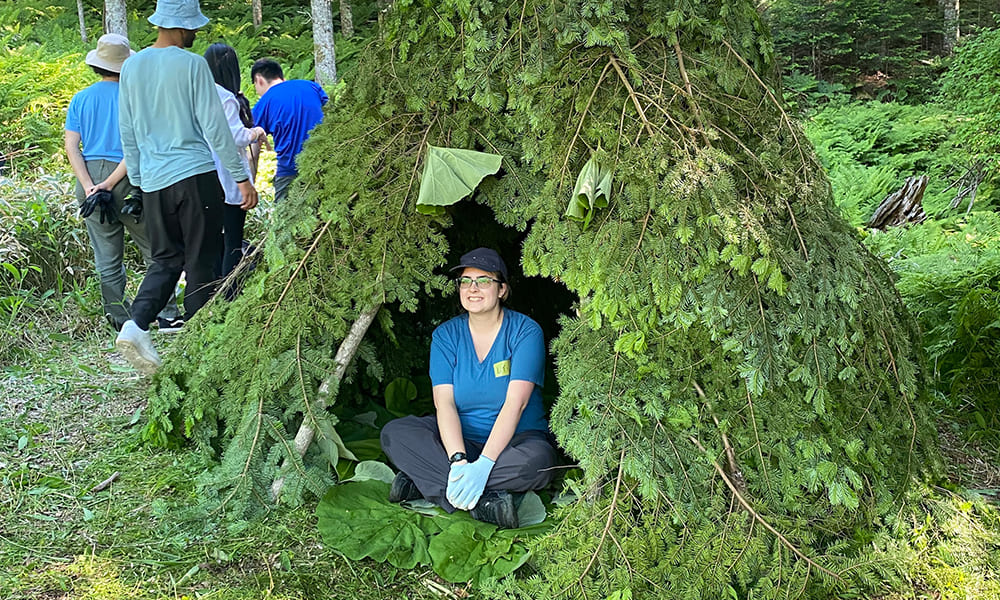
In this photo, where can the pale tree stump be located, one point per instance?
(902, 206)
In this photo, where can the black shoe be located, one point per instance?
(403, 488)
(497, 507)
(170, 325)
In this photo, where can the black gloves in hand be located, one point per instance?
(100, 199)
(133, 207)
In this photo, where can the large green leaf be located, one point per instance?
(358, 521)
(465, 552)
(592, 190)
(372, 469)
(451, 174)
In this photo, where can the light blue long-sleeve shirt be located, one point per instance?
(171, 118)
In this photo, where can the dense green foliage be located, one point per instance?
(947, 266)
(970, 87)
(870, 148)
(734, 343)
(42, 253)
(949, 273)
(880, 48)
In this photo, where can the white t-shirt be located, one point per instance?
(242, 136)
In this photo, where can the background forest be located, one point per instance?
(885, 91)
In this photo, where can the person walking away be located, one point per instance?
(225, 67)
(171, 119)
(99, 166)
(288, 111)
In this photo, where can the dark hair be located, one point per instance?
(225, 67)
(266, 68)
(104, 72)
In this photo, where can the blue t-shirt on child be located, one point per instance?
(288, 111)
(481, 387)
(93, 113)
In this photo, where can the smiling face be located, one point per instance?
(477, 300)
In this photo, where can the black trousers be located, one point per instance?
(184, 224)
(414, 445)
(234, 219)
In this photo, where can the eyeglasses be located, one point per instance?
(483, 283)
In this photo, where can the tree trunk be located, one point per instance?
(950, 29)
(115, 17)
(258, 13)
(346, 20)
(83, 24)
(326, 54)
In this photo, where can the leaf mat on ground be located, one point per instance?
(357, 520)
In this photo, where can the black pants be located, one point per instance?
(233, 220)
(184, 223)
(414, 445)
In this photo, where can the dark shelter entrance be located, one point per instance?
(406, 352)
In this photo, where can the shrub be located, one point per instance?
(41, 234)
(970, 86)
(33, 100)
(870, 148)
(949, 276)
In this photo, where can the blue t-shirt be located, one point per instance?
(288, 111)
(93, 113)
(481, 387)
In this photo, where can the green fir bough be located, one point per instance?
(740, 382)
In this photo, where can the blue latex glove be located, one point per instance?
(467, 482)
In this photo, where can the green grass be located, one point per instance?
(68, 421)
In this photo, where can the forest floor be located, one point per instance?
(69, 418)
(89, 512)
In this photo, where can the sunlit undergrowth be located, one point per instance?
(68, 414)
(949, 266)
(869, 149)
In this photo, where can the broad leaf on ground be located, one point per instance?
(358, 521)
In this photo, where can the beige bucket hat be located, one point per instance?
(112, 50)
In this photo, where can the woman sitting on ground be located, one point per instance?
(489, 438)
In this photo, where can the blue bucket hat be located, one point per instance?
(178, 14)
(484, 259)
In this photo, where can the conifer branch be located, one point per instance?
(345, 353)
(298, 268)
(760, 519)
(690, 92)
(734, 470)
(909, 411)
(632, 95)
(583, 117)
(795, 226)
(772, 98)
(756, 435)
(607, 524)
(245, 473)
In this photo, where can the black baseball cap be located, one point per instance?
(486, 259)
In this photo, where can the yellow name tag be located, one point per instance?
(502, 368)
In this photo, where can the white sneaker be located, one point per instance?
(137, 348)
